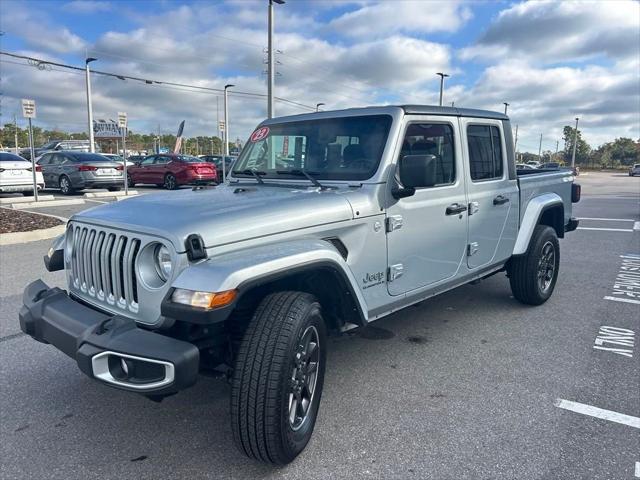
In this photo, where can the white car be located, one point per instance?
(534, 164)
(16, 174)
(117, 158)
(524, 166)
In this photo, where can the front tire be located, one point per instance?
(533, 275)
(278, 377)
(130, 182)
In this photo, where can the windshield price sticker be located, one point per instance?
(260, 134)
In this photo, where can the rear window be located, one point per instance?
(10, 157)
(189, 159)
(87, 157)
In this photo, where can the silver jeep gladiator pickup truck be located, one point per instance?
(327, 222)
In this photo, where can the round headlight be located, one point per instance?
(163, 262)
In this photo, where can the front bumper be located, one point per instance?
(111, 349)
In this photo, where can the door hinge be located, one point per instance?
(394, 222)
(395, 272)
(472, 248)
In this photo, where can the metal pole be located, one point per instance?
(92, 148)
(124, 155)
(217, 118)
(226, 129)
(575, 144)
(515, 144)
(271, 74)
(33, 162)
(540, 149)
(505, 107)
(556, 155)
(15, 132)
(442, 75)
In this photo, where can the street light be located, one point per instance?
(575, 143)
(442, 75)
(318, 105)
(226, 131)
(506, 105)
(271, 74)
(89, 107)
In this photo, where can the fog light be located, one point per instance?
(205, 300)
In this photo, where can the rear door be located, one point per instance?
(493, 196)
(427, 232)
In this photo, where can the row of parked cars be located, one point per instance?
(534, 165)
(75, 169)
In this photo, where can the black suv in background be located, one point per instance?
(54, 145)
(217, 161)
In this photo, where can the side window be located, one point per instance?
(148, 161)
(44, 160)
(485, 152)
(161, 160)
(433, 139)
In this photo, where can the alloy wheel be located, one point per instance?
(304, 377)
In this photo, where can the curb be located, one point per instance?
(32, 236)
(109, 194)
(10, 200)
(49, 203)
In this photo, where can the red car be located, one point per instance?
(170, 170)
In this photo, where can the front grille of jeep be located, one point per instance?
(102, 265)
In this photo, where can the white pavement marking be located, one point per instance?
(624, 300)
(636, 226)
(637, 470)
(598, 412)
(606, 229)
(608, 219)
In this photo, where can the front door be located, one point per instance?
(493, 202)
(427, 232)
(143, 172)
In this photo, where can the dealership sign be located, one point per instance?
(102, 129)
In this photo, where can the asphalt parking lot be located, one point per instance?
(468, 385)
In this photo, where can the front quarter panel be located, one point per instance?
(235, 269)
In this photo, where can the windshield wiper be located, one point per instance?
(303, 173)
(251, 171)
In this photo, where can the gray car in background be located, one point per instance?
(70, 171)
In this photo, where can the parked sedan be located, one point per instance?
(171, 170)
(70, 171)
(16, 174)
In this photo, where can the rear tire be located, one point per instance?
(65, 185)
(170, 181)
(279, 366)
(533, 275)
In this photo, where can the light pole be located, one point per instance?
(226, 131)
(575, 143)
(318, 105)
(271, 74)
(442, 75)
(87, 61)
(506, 105)
(540, 149)
(515, 143)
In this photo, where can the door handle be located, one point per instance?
(500, 200)
(455, 209)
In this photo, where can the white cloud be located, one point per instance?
(87, 6)
(381, 19)
(551, 32)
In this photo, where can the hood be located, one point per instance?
(224, 214)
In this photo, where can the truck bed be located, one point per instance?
(533, 183)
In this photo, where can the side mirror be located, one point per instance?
(59, 147)
(415, 171)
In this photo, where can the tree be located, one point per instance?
(582, 151)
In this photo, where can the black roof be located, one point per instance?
(452, 111)
(408, 109)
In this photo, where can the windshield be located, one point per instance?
(347, 148)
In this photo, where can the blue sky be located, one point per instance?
(551, 61)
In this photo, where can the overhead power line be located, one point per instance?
(46, 64)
